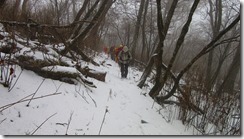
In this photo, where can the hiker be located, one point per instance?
(124, 58)
(106, 50)
(116, 51)
(112, 53)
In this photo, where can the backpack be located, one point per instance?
(125, 56)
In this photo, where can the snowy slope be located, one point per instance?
(116, 107)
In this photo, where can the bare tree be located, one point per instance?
(144, 36)
(137, 28)
(158, 86)
(24, 10)
(230, 79)
(215, 14)
(79, 34)
(213, 44)
(157, 57)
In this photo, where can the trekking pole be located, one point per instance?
(106, 111)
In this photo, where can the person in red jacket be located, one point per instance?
(117, 50)
(112, 53)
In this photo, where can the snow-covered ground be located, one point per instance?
(116, 107)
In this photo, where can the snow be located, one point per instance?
(60, 69)
(118, 102)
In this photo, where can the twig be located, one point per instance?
(154, 100)
(15, 81)
(43, 123)
(57, 88)
(78, 91)
(3, 120)
(38, 88)
(82, 97)
(63, 124)
(69, 122)
(198, 129)
(103, 120)
(9, 105)
(27, 100)
(36, 92)
(110, 94)
(92, 99)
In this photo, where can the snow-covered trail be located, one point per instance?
(127, 108)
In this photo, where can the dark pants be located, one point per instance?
(124, 70)
(112, 56)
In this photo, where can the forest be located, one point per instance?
(189, 50)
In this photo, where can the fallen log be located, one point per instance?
(38, 66)
(87, 72)
(181, 102)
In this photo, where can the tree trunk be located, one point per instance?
(2, 2)
(229, 81)
(146, 72)
(24, 12)
(204, 51)
(80, 37)
(94, 31)
(137, 29)
(215, 22)
(162, 31)
(144, 38)
(87, 72)
(220, 63)
(81, 11)
(83, 34)
(57, 12)
(160, 84)
(16, 9)
(78, 27)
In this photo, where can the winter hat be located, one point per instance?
(125, 49)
